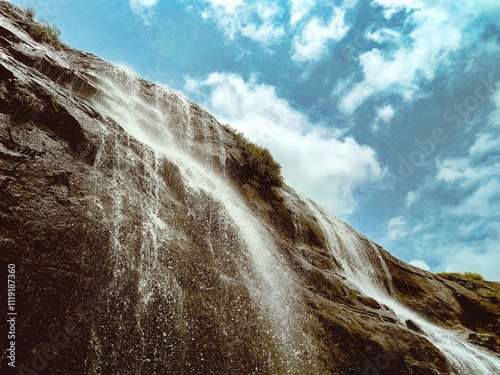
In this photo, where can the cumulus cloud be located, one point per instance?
(411, 198)
(403, 68)
(420, 264)
(483, 260)
(316, 161)
(396, 228)
(265, 22)
(391, 7)
(143, 8)
(480, 202)
(484, 143)
(315, 37)
(228, 5)
(385, 113)
(299, 9)
(464, 171)
(143, 3)
(258, 21)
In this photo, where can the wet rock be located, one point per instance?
(127, 251)
(410, 324)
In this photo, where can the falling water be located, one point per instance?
(161, 119)
(366, 269)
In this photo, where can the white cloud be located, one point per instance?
(393, 6)
(256, 20)
(434, 37)
(144, 8)
(396, 228)
(385, 113)
(463, 258)
(488, 140)
(267, 31)
(420, 264)
(316, 161)
(494, 118)
(383, 35)
(263, 21)
(228, 5)
(314, 38)
(468, 171)
(484, 142)
(300, 9)
(411, 198)
(143, 3)
(479, 203)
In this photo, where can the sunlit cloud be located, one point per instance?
(385, 113)
(258, 21)
(299, 9)
(402, 69)
(319, 162)
(315, 37)
(420, 264)
(144, 8)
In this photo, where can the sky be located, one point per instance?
(386, 112)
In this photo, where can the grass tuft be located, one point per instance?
(470, 276)
(44, 32)
(258, 160)
(473, 276)
(30, 12)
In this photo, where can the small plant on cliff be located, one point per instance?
(470, 276)
(473, 276)
(30, 12)
(258, 160)
(42, 31)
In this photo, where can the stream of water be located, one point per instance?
(366, 269)
(161, 119)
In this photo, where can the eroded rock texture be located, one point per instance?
(144, 244)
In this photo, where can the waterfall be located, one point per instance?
(161, 119)
(364, 267)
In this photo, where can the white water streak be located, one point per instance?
(163, 123)
(364, 272)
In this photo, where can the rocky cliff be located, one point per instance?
(144, 242)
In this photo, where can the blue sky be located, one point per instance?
(387, 112)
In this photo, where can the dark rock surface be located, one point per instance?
(127, 266)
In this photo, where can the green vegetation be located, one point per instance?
(258, 160)
(472, 281)
(30, 12)
(471, 276)
(42, 31)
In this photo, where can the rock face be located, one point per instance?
(144, 244)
